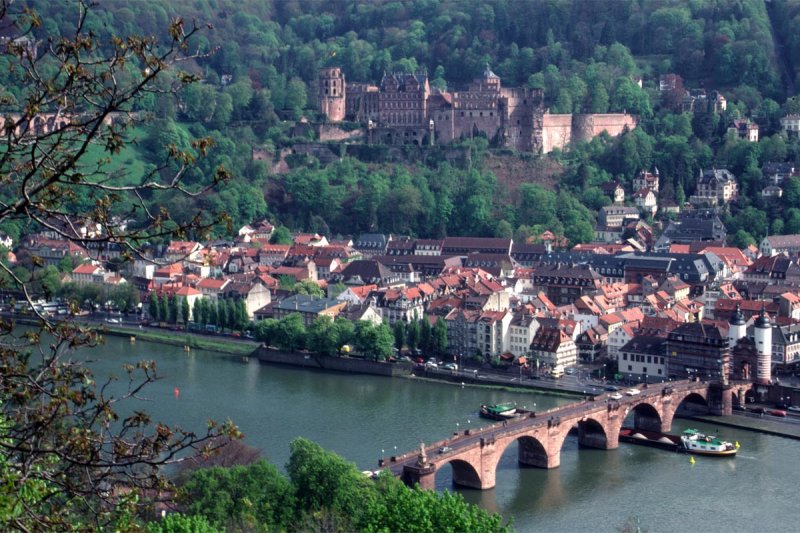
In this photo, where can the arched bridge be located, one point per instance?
(475, 453)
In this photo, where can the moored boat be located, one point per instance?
(699, 443)
(500, 411)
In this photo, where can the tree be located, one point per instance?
(241, 498)
(178, 523)
(154, 308)
(412, 335)
(281, 235)
(290, 333)
(321, 337)
(185, 311)
(399, 331)
(172, 304)
(163, 308)
(220, 314)
(440, 338)
(62, 438)
(197, 311)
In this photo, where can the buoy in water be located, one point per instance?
(737, 444)
(176, 391)
(691, 460)
(133, 340)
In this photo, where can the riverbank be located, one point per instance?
(181, 338)
(758, 425)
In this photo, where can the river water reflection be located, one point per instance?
(363, 417)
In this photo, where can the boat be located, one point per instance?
(691, 441)
(652, 439)
(500, 411)
(701, 444)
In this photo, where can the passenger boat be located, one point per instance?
(695, 442)
(691, 441)
(500, 411)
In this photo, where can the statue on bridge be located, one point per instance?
(422, 458)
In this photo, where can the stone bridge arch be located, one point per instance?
(465, 473)
(678, 398)
(647, 415)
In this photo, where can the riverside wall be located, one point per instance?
(350, 365)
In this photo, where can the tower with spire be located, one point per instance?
(737, 327)
(763, 340)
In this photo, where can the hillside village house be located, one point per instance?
(715, 187)
(791, 125)
(780, 244)
(88, 273)
(647, 180)
(645, 199)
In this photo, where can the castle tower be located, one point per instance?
(737, 327)
(763, 338)
(331, 94)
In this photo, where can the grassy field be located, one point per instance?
(128, 166)
(199, 342)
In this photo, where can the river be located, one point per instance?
(365, 417)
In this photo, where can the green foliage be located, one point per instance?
(178, 523)
(253, 497)
(325, 482)
(309, 288)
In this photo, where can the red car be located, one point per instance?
(777, 412)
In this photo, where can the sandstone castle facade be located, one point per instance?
(404, 109)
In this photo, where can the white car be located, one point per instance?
(794, 408)
(633, 392)
(615, 396)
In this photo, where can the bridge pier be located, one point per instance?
(720, 399)
(424, 476)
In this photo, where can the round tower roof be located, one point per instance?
(737, 318)
(763, 319)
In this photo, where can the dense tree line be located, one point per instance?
(321, 492)
(262, 62)
(326, 336)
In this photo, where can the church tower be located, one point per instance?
(763, 338)
(331, 94)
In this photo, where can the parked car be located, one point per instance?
(794, 408)
(737, 407)
(615, 396)
(445, 449)
(450, 366)
(778, 412)
(632, 392)
(758, 410)
(612, 388)
(569, 371)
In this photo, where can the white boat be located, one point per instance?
(695, 442)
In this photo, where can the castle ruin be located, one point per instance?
(405, 109)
